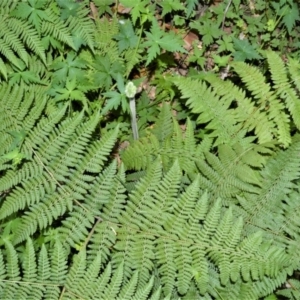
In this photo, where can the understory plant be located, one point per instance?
(138, 164)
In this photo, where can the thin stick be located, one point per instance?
(225, 12)
(133, 119)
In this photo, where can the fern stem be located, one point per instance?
(62, 293)
(91, 233)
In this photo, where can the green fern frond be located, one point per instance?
(266, 99)
(165, 254)
(104, 39)
(222, 179)
(132, 58)
(75, 227)
(163, 128)
(114, 287)
(293, 68)
(12, 39)
(57, 29)
(291, 290)
(90, 275)
(278, 181)
(143, 292)
(6, 51)
(128, 289)
(103, 239)
(209, 108)
(246, 113)
(82, 26)
(3, 69)
(76, 272)
(28, 35)
(100, 191)
(173, 144)
(139, 154)
(282, 84)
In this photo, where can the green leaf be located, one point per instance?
(104, 6)
(26, 76)
(221, 61)
(225, 44)
(71, 67)
(244, 50)
(31, 10)
(3, 69)
(190, 5)
(170, 5)
(209, 31)
(18, 136)
(158, 39)
(105, 71)
(69, 8)
(15, 156)
(126, 37)
(140, 8)
(114, 100)
(291, 16)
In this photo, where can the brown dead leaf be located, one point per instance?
(189, 39)
(94, 11)
(122, 9)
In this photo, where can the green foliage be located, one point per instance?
(204, 205)
(157, 40)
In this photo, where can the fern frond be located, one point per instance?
(291, 290)
(216, 177)
(104, 39)
(6, 51)
(113, 289)
(128, 289)
(82, 26)
(28, 35)
(163, 128)
(76, 272)
(139, 154)
(266, 99)
(12, 39)
(282, 85)
(103, 239)
(115, 202)
(101, 283)
(209, 108)
(175, 145)
(13, 270)
(90, 275)
(249, 116)
(75, 227)
(278, 177)
(43, 265)
(132, 58)
(143, 292)
(57, 29)
(142, 200)
(165, 254)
